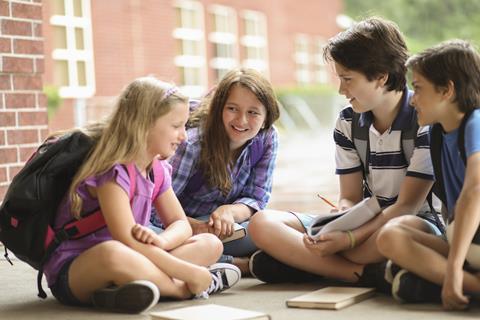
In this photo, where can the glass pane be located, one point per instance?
(81, 73)
(58, 7)
(59, 37)
(60, 73)
(77, 8)
(79, 39)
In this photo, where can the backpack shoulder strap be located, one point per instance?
(436, 142)
(408, 140)
(461, 136)
(361, 141)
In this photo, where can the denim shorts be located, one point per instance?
(307, 219)
(61, 289)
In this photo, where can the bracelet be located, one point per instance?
(352, 238)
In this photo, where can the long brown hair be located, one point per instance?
(123, 135)
(215, 156)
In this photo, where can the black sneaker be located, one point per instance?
(134, 297)
(224, 276)
(374, 276)
(410, 288)
(267, 269)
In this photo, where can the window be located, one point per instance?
(190, 58)
(254, 40)
(302, 59)
(320, 73)
(73, 69)
(223, 39)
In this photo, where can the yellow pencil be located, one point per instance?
(327, 201)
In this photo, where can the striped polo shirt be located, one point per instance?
(387, 163)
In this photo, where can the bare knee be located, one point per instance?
(210, 246)
(114, 258)
(392, 237)
(259, 222)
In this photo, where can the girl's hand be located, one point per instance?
(221, 220)
(452, 291)
(200, 226)
(148, 236)
(328, 243)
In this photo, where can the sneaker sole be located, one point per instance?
(396, 285)
(250, 263)
(126, 298)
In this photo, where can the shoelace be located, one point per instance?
(215, 286)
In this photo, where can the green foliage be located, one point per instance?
(54, 101)
(424, 22)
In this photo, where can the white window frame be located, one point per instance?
(320, 73)
(258, 40)
(302, 59)
(226, 37)
(184, 61)
(71, 54)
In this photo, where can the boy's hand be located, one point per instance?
(148, 236)
(452, 291)
(328, 243)
(200, 226)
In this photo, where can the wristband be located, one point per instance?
(352, 238)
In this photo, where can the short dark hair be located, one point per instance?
(456, 61)
(372, 47)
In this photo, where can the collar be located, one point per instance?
(404, 119)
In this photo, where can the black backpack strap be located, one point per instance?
(436, 141)
(361, 141)
(461, 136)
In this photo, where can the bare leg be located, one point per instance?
(367, 252)
(419, 252)
(112, 262)
(202, 249)
(280, 234)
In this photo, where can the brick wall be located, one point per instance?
(23, 115)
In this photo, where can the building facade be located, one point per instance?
(94, 48)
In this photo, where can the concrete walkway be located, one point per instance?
(305, 167)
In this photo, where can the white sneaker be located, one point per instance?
(133, 297)
(224, 276)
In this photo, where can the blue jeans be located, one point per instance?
(243, 247)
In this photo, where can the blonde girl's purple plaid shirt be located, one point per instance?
(250, 186)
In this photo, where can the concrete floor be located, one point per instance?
(305, 167)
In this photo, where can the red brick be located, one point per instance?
(3, 191)
(17, 65)
(27, 82)
(16, 28)
(20, 136)
(5, 82)
(39, 65)
(4, 8)
(8, 155)
(7, 119)
(26, 153)
(37, 30)
(5, 45)
(28, 46)
(2, 138)
(27, 11)
(42, 100)
(3, 174)
(32, 118)
(20, 100)
(1, 101)
(13, 170)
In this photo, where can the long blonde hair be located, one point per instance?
(215, 156)
(123, 135)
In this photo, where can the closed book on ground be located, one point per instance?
(209, 312)
(349, 219)
(238, 232)
(331, 298)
